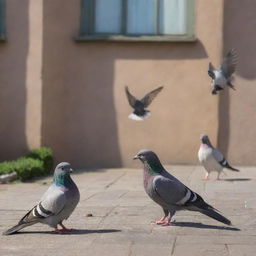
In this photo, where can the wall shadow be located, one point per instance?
(239, 33)
(13, 55)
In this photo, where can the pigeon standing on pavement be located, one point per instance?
(211, 158)
(140, 113)
(56, 205)
(221, 77)
(170, 193)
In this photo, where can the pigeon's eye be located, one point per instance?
(62, 168)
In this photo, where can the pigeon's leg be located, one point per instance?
(206, 176)
(61, 231)
(64, 228)
(218, 176)
(170, 221)
(162, 220)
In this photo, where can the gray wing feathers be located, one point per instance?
(210, 71)
(53, 201)
(229, 63)
(217, 155)
(148, 98)
(130, 97)
(170, 191)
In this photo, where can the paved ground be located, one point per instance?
(122, 214)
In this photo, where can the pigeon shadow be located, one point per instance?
(73, 232)
(239, 179)
(204, 226)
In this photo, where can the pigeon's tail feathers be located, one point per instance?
(200, 205)
(232, 168)
(215, 215)
(135, 117)
(231, 85)
(16, 228)
(224, 163)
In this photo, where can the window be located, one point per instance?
(2, 20)
(170, 20)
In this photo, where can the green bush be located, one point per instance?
(28, 168)
(37, 162)
(6, 167)
(44, 154)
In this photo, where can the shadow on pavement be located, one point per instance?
(206, 226)
(74, 232)
(241, 179)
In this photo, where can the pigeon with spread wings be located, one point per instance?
(221, 76)
(140, 113)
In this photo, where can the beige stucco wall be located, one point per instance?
(84, 108)
(20, 69)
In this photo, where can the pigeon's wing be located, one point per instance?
(130, 97)
(222, 161)
(172, 192)
(217, 155)
(210, 71)
(229, 63)
(52, 203)
(147, 99)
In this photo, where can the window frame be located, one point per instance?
(87, 33)
(2, 20)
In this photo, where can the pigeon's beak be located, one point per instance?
(71, 170)
(136, 157)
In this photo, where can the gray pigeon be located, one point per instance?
(140, 113)
(170, 193)
(211, 158)
(56, 205)
(221, 77)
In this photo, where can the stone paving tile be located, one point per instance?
(122, 217)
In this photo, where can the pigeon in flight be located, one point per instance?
(140, 113)
(56, 205)
(211, 158)
(221, 77)
(170, 193)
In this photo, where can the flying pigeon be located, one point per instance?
(221, 77)
(56, 205)
(170, 193)
(140, 113)
(211, 158)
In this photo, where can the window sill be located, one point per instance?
(121, 38)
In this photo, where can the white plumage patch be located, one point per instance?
(194, 197)
(185, 199)
(139, 118)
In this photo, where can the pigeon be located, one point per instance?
(140, 113)
(56, 205)
(211, 158)
(171, 194)
(221, 77)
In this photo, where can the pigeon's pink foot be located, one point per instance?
(167, 223)
(160, 222)
(62, 231)
(68, 230)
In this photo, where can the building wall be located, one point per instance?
(20, 70)
(84, 107)
(238, 108)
